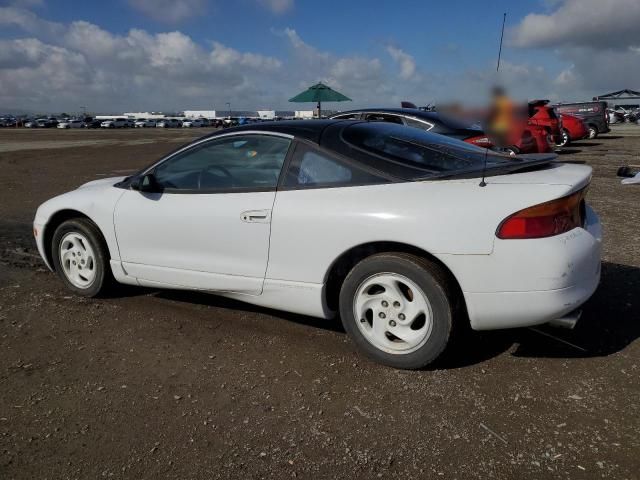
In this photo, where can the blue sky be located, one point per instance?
(175, 54)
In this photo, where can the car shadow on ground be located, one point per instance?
(569, 151)
(610, 322)
(216, 301)
(610, 137)
(590, 144)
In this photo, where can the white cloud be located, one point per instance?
(599, 42)
(598, 24)
(30, 71)
(84, 64)
(405, 61)
(277, 6)
(29, 22)
(87, 65)
(26, 3)
(364, 79)
(169, 11)
(567, 77)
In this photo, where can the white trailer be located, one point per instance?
(266, 114)
(210, 114)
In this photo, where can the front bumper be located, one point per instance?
(38, 232)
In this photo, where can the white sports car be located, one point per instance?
(402, 232)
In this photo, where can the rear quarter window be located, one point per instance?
(311, 167)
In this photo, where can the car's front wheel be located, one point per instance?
(593, 132)
(398, 309)
(80, 257)
(566, 139)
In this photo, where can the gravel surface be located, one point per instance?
(165, 384)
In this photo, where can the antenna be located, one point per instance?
(484, 169)
(504, 19)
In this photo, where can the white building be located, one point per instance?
(136, 115)
(304, 114)
(200, 114)
(266, 114)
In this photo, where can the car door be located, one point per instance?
(208, 224)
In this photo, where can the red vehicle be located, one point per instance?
(533, 133)
(573, 128)
(526, 139)
(541, 115)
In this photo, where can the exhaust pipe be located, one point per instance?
(568, 321)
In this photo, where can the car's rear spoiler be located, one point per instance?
(408, 105)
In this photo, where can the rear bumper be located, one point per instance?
(530, 282)
(491, 311)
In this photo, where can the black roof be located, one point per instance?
(446, 125)
(415, 112)
(387, 149)
(307, 129)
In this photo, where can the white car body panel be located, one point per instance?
(94, 199)
(202, 241)
(225, 249)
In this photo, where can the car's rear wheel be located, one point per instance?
(397, 308)
(566, 139)
(593, 132)
(80, 257)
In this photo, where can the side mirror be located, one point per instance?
(146, 183)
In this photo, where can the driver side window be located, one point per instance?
(237, 162)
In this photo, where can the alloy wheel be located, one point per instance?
(78, 260)
(393, 313)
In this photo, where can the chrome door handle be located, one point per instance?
(256, 216)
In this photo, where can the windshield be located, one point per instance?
(426, 153)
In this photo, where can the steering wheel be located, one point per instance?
(224, 171)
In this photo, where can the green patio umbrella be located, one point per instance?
(319, 93)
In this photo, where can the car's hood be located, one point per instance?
(103, 182)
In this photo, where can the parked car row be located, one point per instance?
(115, 122)
(121, 122)
(624, 115)
(546, 127)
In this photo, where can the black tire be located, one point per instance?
(103, 276)
(593, 132)
(566, 138)
(437, 288)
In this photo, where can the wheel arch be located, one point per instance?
(341, 266)
(55, 221)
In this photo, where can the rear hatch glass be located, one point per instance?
(413, 154)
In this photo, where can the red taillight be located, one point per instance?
(482, 141)
(546, 219)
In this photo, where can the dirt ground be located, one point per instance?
(164, 384)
